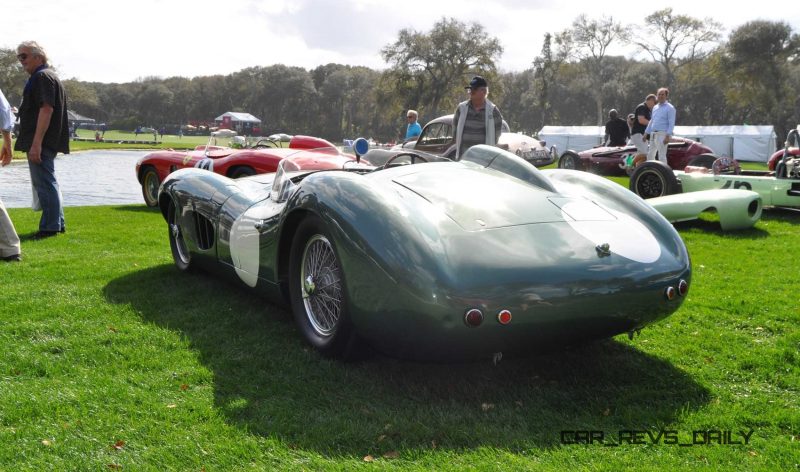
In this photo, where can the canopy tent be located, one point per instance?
(241, 122)
(237, 117)
(744, 142)
(75, 118)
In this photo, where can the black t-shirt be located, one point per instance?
(45, 88)
(617, 131)
(641, 110)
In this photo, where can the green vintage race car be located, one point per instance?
(780, 188)
(423, 257)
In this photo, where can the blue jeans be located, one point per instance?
(43, 178)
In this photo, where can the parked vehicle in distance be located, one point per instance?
(605, 160)
(423, 257)
(438, 137)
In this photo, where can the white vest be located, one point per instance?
(462, 118)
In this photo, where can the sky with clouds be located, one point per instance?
(112, 41)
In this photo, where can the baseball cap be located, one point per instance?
(477, 82)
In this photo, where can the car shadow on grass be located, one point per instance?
(136, 208)
(270, 383)
(709, 223)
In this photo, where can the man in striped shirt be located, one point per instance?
(477, 120)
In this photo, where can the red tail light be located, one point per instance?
(504, 317)
(683, 287)
(473, 318)
(670, 293)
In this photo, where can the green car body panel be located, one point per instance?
(774, 192)
(572, 256)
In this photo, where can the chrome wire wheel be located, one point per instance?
(321, 286)
(180, 244)
(150, 185)
(180, 252)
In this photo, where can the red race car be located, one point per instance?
(606, 160)
(775, 158)
(153, 168)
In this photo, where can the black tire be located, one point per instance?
(653, 179)
(703, 160)
(242, 171)
(570, 160)
(180, 252)
(317, 291)
(150, 185)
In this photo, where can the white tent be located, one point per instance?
(744, 142)
(238, 117)
(243, 123)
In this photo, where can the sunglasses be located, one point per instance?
(22, 56)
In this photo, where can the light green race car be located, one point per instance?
(720, 185)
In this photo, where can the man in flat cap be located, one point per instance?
(477, 120)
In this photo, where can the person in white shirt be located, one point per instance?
(662, 124)
(9, 240)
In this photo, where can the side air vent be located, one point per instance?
(205, 232)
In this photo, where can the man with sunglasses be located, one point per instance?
(43, 133)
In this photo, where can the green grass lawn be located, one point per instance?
(112, 359)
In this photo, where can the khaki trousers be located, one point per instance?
(658, 150)
(9, 241)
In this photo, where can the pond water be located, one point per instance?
(86, 178)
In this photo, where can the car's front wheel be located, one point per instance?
(653, 179)
(570, 160)
(150, 184)
(317, 291)
(180, 252)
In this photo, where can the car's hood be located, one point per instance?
(478, 199)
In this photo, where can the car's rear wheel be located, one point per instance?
(653, 179)
(703, 160)
(150, 184)
(242, 171)
(177, 243)
(570, 160)
(317, 291)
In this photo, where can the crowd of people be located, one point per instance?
(649, 127)
(476, 120)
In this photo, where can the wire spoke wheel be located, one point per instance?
(180, 252)
(321, 282)
(150, 185)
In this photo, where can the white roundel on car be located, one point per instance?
(244, 244)
(624, 235)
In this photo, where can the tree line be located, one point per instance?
(750, 77)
